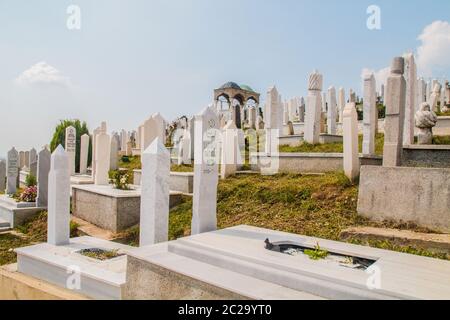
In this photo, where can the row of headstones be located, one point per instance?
(154, 217)
(9, 174)
(433, 92)
(400, 100)
(313, 111)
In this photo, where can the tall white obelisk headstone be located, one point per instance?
(2, 175)
(370, 113)
(395, 114)
(313, 108)
(351, 156)
(411, 99)
(154, 220)
(59, 198)
(84, 153)
(103, 154)
(206, 175)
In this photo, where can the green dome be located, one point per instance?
(246, 88)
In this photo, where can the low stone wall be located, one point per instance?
(295, 140)
(311, 162)
(178, 181)
(433, 156)
(418, 195)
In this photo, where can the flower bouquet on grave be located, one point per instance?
(28, 195)
(120, 179)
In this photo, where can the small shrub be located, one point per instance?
(125, 159)
(316, 254)
(30, 180)
(121, 180)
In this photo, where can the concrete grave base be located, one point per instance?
(16, 213)
(417, 195)
(98, 279)
(109, 208)
(234, 263)
(309, 162)
(430, 156)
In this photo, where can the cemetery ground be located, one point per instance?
(313, 205)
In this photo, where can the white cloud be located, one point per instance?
(434, 53)
(42, 74)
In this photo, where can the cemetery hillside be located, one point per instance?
(137, 170)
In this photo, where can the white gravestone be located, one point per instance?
(33, 156)
(123, 142)
(421, 92)
(114, 155)
(154, 218)
(395, 111)
(341, 102)
(185, 148)
(206, 175)
(71, 146)
(301, 110)
(21, 159)
(273, 117)
(370, 113)
(331, 113)
(59, 198)
(2, 175)
(43, 169)
(228, 165)
(94, 155)
(434, 97)
(103, 153)
(351, 156)
(313, 108)
(84, 153)
(12, 171)
(411, 99)
(153, 128)
(27, 160)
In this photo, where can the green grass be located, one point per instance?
(31, 232)
(387, 245)
(8, 242)
(336, 147)
(441, 140)
(182, 168)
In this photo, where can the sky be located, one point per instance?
(130, 59)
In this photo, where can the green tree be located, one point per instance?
(59, 138)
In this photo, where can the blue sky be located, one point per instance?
(133, 58)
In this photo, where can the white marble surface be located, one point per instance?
(154, 217)
(241, 250)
